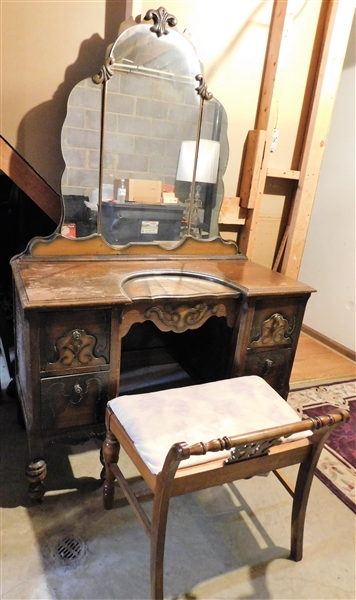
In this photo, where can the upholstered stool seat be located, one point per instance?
(185, 439)
(155, 421)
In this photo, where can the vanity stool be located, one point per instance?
(263, 434)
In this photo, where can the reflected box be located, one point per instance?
(124, 223)
(142, 191)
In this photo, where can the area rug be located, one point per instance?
(337, 463)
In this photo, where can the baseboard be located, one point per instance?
(330, 343)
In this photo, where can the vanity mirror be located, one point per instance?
(145, 143)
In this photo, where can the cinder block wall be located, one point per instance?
(146, 119)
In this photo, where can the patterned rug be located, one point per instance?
(337, 464)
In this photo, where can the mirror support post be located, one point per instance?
(101, 155)
(192, 189)
(202, 91)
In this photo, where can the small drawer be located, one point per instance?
(274, 366)
(73, 401)
(74, 341)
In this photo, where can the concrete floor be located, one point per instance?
(227, 542)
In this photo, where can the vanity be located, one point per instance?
(136, 290)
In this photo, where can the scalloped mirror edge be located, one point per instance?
(60, 246)
(187, 238)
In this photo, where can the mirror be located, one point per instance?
(145, 143)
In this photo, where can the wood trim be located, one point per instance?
(347, 352)
(29, 181)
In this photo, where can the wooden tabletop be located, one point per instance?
(65, 282)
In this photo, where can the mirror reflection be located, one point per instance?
(156, 173)
(81, 134)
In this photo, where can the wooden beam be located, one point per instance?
(274, 43)
(276, 38)
(30, 182)
(283, 173)
(336, 21)
(252, 163)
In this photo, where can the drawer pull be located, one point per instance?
(79, 392)
(266, 367)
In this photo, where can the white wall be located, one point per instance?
(329, 258)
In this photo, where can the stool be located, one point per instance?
(259, 433)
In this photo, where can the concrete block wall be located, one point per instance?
(145, 122)
(80, 139)
(146, 119)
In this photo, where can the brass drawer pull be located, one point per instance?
(266, 367)
(79, 391)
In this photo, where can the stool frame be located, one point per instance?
(254, 454)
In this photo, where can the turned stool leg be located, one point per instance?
(111, 450)
(36, 471)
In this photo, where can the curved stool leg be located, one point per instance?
(111, 450)
(162, 496)
(158, 538)
(302, 491)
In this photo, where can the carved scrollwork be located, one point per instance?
(202, 88)
(182, 317)
(75, 349)
(105, 72)
(160, 19)
(274, 331)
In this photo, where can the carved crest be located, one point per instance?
(160, 18)
(76, 349)
(182, 317)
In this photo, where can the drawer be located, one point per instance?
(73, 341)
(74, 400)
(276, 324)
(274, 366)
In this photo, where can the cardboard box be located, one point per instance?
(145, 191)
(141, 191)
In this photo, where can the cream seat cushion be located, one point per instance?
(157, 420)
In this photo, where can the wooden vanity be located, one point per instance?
(72, 315)
(98, 316)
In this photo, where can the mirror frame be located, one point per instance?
(161, 21)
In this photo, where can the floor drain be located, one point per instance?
(69, 549)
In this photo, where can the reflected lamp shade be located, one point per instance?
(208, 161)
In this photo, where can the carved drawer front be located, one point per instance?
(275, 325)
(273, 366)
(74, 341)
(180, 316)
(74, 400)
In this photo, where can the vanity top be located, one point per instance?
(60, 283)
